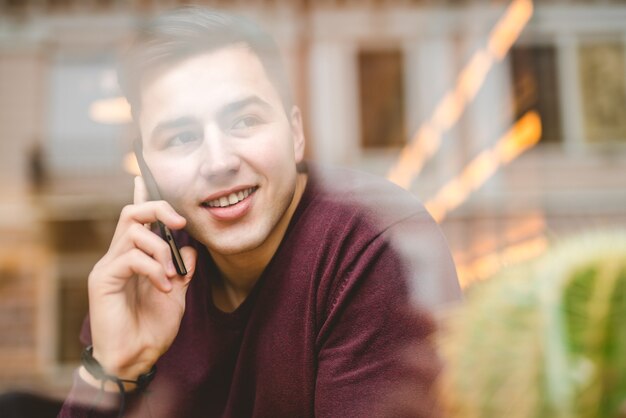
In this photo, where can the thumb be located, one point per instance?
(141, 191)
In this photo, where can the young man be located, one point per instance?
(297, 303)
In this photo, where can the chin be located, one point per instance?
(230, 243)
(225, 249)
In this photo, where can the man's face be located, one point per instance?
(221, 147)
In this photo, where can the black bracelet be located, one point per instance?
(95, 369)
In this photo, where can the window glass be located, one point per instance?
(602, 75)
(536, 88)
(382, 98)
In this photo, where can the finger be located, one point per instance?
(137, 236)
(150, 212)
(190, 256)
(137, 263)
(146, 213)
(141, 191)
(180, 284)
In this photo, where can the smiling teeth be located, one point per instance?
(231, 199)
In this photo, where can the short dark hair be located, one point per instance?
(187, 31)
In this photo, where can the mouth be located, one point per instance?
(230, 199)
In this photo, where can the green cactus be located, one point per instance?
(546, 339)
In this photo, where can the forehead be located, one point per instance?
(203, 83)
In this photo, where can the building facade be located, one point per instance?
(372, 78)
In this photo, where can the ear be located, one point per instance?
(297, 133)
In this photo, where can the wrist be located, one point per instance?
(107, 385)
(121, 366)
(127, 379)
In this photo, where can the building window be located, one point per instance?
(17, 309)
(73, 308)
(78, 244)
(381, 98)
(536, 88)
(603, 83)
(78, 146)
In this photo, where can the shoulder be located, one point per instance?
(367, 195)
(343, 211)
(358, 218)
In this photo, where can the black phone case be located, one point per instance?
(153, 194)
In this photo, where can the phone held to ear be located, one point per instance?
(153, 193)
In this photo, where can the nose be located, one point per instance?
(219, 159)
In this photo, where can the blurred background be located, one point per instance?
(506, 117)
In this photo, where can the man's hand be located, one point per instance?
(136, 299)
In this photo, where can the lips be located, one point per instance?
(229, 199)
(230, 206)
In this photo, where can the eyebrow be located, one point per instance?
(173, 124)
(226, 110)
(238, 105)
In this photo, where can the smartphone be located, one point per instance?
(153, 194)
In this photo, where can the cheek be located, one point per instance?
(274, 151)
(173, 181)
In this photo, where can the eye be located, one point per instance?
(247, 122)
(182, 138)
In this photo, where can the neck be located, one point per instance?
(241, 271)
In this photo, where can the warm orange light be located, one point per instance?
(451, 195)
(110, 111)
(449, 110)
(413, 155)
(524, 134)
(426, 142)
(532, 224)
(521, 239)
(488, 265)
(130, 164)
(480, 169)
(473, 75)
(509, 27)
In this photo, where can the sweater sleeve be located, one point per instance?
(86, 401)
(375, 354)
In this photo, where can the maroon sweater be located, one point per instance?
(331, 328)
